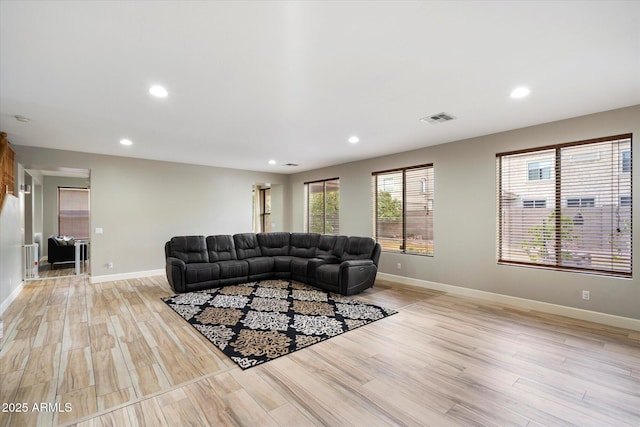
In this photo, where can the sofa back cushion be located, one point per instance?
(221, 248)
(189, 249)
(359, 248)
(330, 245)
(246, 245)
(273, 244)
(304, 245)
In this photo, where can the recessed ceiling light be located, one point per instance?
(354, 140)
(158, 91)
(126, 141)
(520, 92)
(272, 162)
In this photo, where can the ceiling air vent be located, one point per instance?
(291, 164)
(437, 118)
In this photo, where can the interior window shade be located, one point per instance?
(586, 224)
(404, 209)
(73, 212)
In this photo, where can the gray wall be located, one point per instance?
(465, 215)
(140, 204)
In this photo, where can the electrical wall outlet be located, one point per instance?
(399, 266)
(109, 265)
(586, 295)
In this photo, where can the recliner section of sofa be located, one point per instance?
(342, 264)
(357, 268)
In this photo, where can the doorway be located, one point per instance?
(57, 223)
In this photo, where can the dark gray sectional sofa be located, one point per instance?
(346, 265)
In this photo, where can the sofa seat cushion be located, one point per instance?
(259, 265)
(299, 266)
(233, 268)
(201, 272)
(328, 274)
(282, 263)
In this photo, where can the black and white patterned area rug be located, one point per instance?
(257, 322)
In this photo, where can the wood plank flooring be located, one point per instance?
(113, 354)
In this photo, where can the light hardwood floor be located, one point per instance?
(116, 355)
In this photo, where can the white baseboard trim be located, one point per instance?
(527, 304)
(5, 304)
(124, 276)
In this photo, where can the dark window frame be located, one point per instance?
(324, 207)
(403, 170)
(558, 225)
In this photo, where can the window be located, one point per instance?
(625, 160)
(322, 206)
(581, 202)
(566, 235)
(265, 210)
(73, 212)
(403, 209)
(388, 185)
(534, 203)
(539, 170)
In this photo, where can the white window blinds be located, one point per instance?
(73, 212)
(585, 222)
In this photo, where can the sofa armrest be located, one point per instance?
(329, 259)
(313, 265)
(357, 275)
(355, 263)
(176, 274)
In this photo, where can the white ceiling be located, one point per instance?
(292, 81)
